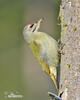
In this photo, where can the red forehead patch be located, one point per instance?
(31, 23)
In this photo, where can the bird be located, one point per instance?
(43, 47)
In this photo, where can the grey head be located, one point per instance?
(31, 28)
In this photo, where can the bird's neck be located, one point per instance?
(30, 36)
(27, 36)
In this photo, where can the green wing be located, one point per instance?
(35, 49)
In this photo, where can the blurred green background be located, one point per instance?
(20, 73)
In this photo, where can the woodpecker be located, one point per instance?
(44, 48)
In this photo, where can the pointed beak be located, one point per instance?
(37, 24)
(40, 21)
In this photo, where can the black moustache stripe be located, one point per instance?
(34, 29)
(31, 26)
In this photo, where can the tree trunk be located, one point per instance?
(70, 61)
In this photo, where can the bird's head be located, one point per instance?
(33, 26)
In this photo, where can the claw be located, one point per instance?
(60, 45)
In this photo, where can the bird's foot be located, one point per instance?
(60, 45)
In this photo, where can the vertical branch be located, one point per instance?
(70, 61)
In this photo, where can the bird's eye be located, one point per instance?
(31, 26)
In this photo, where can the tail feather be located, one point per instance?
(54, 80)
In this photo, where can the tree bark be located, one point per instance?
(70, 61)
